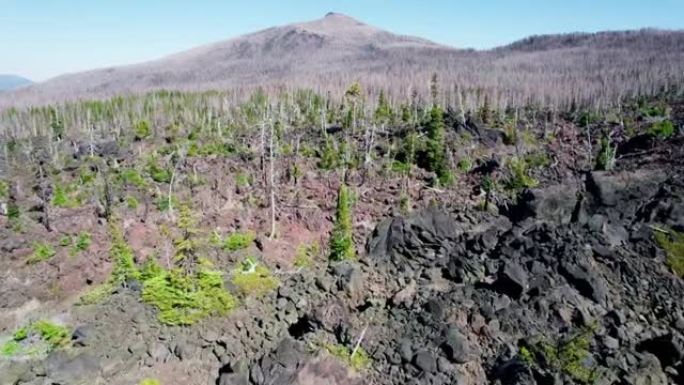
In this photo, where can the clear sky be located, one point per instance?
(44, 38)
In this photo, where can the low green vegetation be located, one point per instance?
(238, 240)
(663, 129)
(39, 337)
(132, 177)
(41, 252)
(183, 298)
(673, 243)
(605, 161)
(570, 356)
(142, 130)
(464, 165)
(131, 202)
(83, 241)
(4, 189)
(64, 196)
(150, 381)
(305, 255)
(242, 179)
(96, 294)
(253, 278)
(519, 175)
(358, 361)
(122, 256)
(157, 173)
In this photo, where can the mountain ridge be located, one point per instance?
(10, 82)
(329, 53)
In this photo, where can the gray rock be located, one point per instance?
(425, 361)
(512, 280)
(63, 368)
(554, 204)
(457, 347)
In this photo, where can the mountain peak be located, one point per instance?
(330, 15)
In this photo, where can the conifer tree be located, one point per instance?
(341, 242)
(437, 161)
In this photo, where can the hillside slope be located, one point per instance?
(10, 82)
(336, 50)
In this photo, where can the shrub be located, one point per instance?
(237, 241)
(132, 203)
(464, 165)
(150, 381)
(568, 356)
(163, 203)
(55, 335)
(606, 158)
(305, 255)
(673, 244)
(142, 130)
(242, 179)
(519, 177)
(10, 349)
(41, 252)
(330, 156)
(253, 278)
(123, 257)
(4, 189)
(663, 129)
(184, 298)
(158, 173)
(83, 242)
(359, 361)
(537, 159)
(401, 167)
(65, 240)
(341, 241)
(62, 197)
(131, 176)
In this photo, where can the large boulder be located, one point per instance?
(555, 204)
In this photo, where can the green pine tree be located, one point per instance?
(341, 241)
(437, 161)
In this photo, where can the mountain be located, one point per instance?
(330, 53)
(10, 82)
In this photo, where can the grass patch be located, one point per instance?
(673, 243)
(97, 294)
(150, 381)
(359, 361)
(41, 252)
(237, 241)
(253, 278)
(55, 335)
(41, 336)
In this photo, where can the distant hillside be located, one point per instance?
(330, 53)
(10, 82)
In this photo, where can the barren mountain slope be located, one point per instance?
(336, 50)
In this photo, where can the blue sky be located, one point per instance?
(44, 38)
